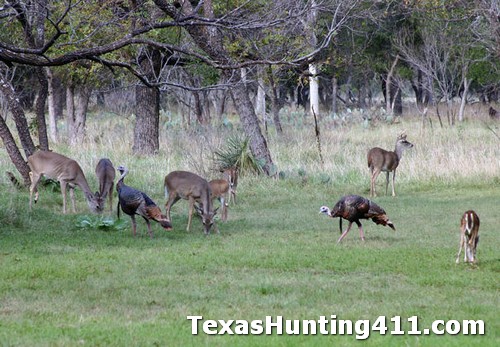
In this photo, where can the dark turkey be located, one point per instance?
(353, 208)
(133, 201)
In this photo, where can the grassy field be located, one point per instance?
(61, 284)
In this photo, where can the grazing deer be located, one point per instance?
(105, 173)
(381, 160)
(191, 187)
(469, 236)
(66, 171)
(220, 189)
(231, 175)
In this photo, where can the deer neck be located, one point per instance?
(207, 202)
(399, 151)
(82, 183)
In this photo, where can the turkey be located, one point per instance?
(133, 201)
(353, 208)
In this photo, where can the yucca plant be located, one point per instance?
(236, 153)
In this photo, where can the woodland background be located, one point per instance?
(213, 62)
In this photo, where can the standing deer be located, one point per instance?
(105, 173)
(67, 172)
(191, 187)
(382, 160)
(220, 189)
(231, 175)
(469, 236)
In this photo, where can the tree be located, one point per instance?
(442, 50)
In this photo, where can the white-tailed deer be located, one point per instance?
(231, 175)
(381, 160)
(66, 171)
(220, 190)
(191, 187)
(469, 236)
(105, 173)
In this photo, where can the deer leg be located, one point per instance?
(63, 192)
(190, 213)
(224, 209)
(172, 199)
(460, 249)
(34, 182)
(361, 233)
(345, 232)
(375, 173)
(393, 180)
(72, 197)
(110, 198)
(233, 193)
(386, 181)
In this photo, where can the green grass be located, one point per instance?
(64, 285)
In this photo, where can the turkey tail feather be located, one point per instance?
(384, 220)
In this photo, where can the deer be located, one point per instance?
(231, 176)
(67, 172)
(220, 189)
(469, 236)
(105, 173)
(381, 160)
(189, 186)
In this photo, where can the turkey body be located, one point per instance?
(134, 202)
(355, 207)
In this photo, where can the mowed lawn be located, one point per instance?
(276, 256)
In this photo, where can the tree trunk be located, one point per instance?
(147, 106)
(250, 122)
(464, 100)
(198, 109)
(40, 109)
(81, 103)
(18, 114)
(275, 103)
(52, 108)
(335, 85)
(260, 102)
(388, 86)
(70, 108)
(313, 90)
(13, 152)
(147, 112)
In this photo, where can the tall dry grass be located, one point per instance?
(467, 151)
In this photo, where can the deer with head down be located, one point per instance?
(469, 236)
(189, 186)
(381, 160)
(105, 173)
(220, 189)
(67, 172)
